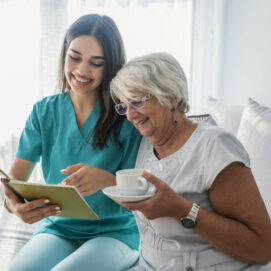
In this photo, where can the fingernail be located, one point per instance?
(63, 169)
(57, 208)
(58, 212)
(64, 183)
(46, 201)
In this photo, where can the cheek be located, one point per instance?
(67, 66)
(99, 74)
(161, 118)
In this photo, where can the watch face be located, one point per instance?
(188, 223)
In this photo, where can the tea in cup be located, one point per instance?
(131, 183)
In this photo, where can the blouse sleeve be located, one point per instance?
(30, 146)
(222, 150)
(130, 140)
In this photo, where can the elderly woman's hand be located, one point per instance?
(164, 203)
(87, 179)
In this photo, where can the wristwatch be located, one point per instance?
(189, 221)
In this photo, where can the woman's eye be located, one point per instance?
(74, 58)
(136, 103)
(97, 64)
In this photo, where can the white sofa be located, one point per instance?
(250, 123)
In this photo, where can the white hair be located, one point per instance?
(159, 74)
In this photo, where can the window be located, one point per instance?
(31, 35)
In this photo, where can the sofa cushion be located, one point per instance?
(226, 116)
(255, 134)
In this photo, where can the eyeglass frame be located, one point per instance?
(142, 99)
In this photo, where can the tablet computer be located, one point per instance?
(72, 204)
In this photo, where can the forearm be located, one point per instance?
(235, 238)
(228, 235)
(21, 169)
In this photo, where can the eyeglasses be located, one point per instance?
(137, 103)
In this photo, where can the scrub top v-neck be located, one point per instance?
(51, 133)
(89, 123)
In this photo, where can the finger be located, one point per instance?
(72, 168)
(31, 205)
(85, 190)
(73, 179)
(85, 193)
(40, 213)
(139, 205)
(152, 179)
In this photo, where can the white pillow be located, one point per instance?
(255, 134)
(226, 116)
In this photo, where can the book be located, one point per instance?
(72, 203)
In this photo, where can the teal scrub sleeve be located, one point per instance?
(30, 144)
(131, 139)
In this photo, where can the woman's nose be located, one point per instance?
(130, 112)
(83, 69)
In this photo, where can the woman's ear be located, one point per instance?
(174, 103)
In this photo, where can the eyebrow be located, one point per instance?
(95, 57)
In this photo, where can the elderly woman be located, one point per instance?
(206, 212)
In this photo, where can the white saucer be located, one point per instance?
(114, 193)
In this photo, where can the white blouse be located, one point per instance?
(190, 171)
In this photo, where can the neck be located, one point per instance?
(84, 103)
(175, 138)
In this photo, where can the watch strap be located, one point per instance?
(193, 214)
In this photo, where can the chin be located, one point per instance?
(144, 133)
(82, 90)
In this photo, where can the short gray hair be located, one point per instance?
(159, 74)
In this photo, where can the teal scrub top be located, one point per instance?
(51, 133)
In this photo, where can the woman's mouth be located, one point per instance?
(140, 123)
(81, 81)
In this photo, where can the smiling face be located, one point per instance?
(153, 121)
(84, 65)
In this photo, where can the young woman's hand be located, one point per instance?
(32, 211)
(87, 179)
(164, 203)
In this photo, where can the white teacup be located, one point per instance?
(131, 183)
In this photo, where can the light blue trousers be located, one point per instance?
(46, 252)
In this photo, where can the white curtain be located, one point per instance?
(31, 34)
(207, 34)
(20, 80)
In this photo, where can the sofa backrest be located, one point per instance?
(251, 124)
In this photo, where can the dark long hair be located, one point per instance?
(106, 32)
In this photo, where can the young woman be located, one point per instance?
(76, 132)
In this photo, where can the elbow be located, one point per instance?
(262, 246)
(263, 255)
(266, 258)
